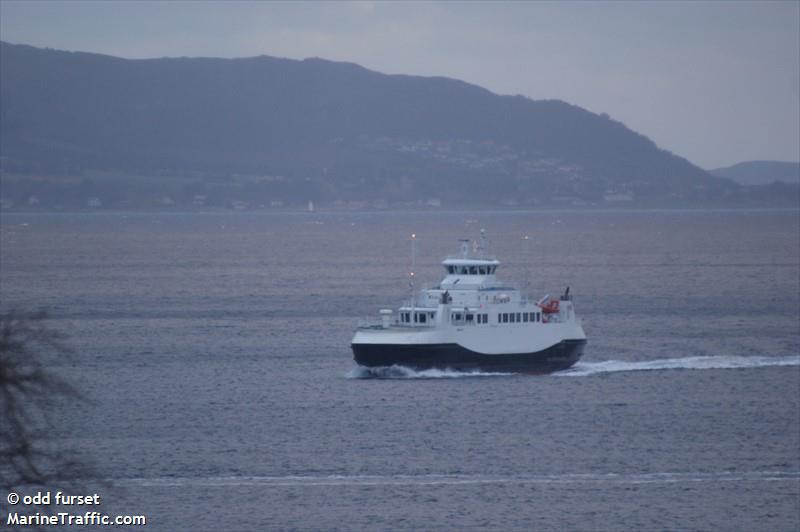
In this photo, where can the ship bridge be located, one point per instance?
(467, 270)
(469, 273)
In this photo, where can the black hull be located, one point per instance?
(452, 356)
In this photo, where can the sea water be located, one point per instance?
(213, 352)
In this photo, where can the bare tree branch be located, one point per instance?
(29, 458)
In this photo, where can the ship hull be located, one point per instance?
(453, 356)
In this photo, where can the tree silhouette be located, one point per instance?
(29, 456)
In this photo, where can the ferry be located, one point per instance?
(471, 321)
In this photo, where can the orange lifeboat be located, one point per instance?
(551, 307)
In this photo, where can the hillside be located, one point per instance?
(269, 131)
(761, 172)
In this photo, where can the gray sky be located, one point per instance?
(715, 82)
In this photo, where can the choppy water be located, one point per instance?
(215, 351)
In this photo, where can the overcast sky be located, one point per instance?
(715, 82)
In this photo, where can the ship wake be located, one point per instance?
(402, 372)
(585, 369)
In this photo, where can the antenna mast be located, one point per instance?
(411, 276)
(527, 259)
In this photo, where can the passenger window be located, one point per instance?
(525, 317)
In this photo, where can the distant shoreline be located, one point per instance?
(330, 212)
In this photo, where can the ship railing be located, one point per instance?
(377, 323)
(370, 323)
(470, 256)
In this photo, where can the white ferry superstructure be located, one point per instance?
(472, 321)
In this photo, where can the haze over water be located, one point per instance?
(215, 351)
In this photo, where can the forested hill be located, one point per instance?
(270, 131)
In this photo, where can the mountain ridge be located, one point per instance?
(761, 172)
(265, 130)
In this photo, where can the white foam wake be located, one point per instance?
(584, 369)
(402, 372)
(464, 479)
